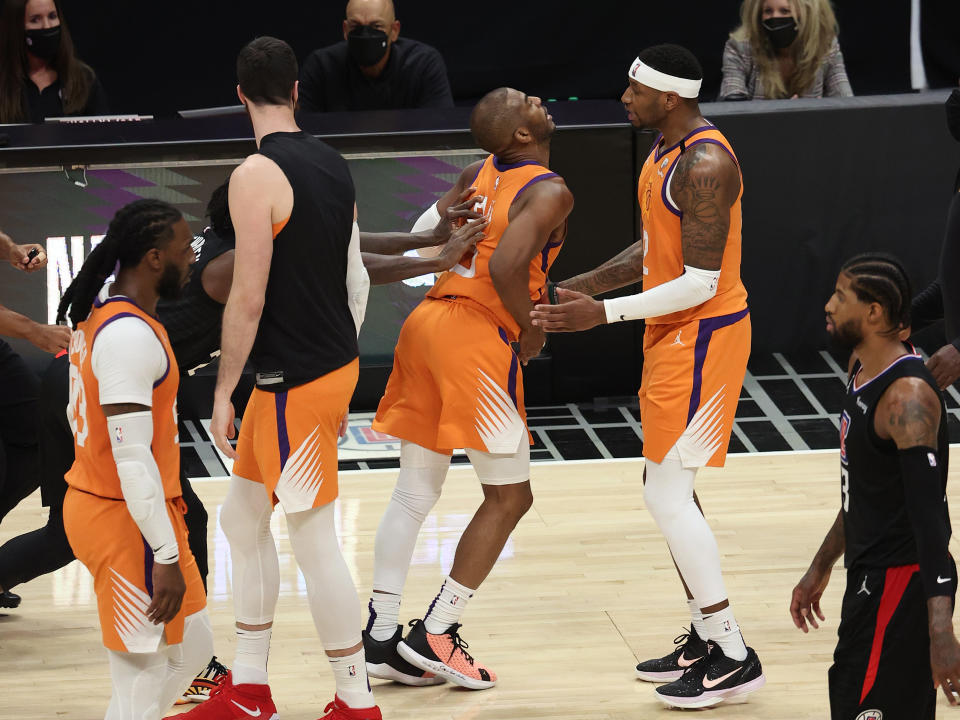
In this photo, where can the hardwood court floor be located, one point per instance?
(584, 589)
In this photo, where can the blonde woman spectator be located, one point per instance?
(784, 49)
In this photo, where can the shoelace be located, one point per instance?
(458, 642)
(216, 669)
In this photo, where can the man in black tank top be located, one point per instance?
(895, 641)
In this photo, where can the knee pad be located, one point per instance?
(669, 487)
(502, 469)
(245, 515)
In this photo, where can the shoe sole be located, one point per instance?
(659, 677)
(439, 668)
(384, 671)
(714, 697)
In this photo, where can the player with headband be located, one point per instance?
(696, 345)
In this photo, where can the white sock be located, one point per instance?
(722, 629)
(447, 607)
(696, 618)
(353, 687)
(384, 613)
(250, 662)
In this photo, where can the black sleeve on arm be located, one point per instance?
(925, 505)
(927, 307)
(434, 84)
(310, 98)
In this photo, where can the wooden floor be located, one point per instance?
(583, 590)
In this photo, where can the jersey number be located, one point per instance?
(646, 249)
(77, 409)
(845, 489)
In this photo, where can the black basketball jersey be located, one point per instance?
(193, 320)
(306, 329)
(872, 487)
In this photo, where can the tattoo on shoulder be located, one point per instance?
(914, 419)
(698, 188)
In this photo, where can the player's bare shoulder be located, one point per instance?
(550, 198)
(909, 413)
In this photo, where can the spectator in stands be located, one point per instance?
(40, 75)
(784, 49)
(373, 68)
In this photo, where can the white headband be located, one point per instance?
(646, 75)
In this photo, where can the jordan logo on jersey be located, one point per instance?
(676, 340)
(844, 429)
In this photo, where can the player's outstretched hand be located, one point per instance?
(805, 602)
(168, 590)
(28, 258)
(574, 312)
(944, 365)
(463, 241)
(50, 338)
(222, 427)
(454, 216)
(344, 423)
(945, 663)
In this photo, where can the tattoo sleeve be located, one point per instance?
(832, 546)
(912, 416)
(623, 269)
(704, 188)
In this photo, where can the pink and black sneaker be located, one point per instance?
(445, 655)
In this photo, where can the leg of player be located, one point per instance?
(185, 659)
(335, 607)
(435, 644)
(731, 668)
(245, 519)
(135, 678)
(33, 554)
(422, 473)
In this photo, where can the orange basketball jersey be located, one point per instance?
(94, 470)
(498, 186)
(662, 247)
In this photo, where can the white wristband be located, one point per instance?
(428, 221)
(693, 288)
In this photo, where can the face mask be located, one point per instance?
(367, 46)
(953, 114)
(44, 43)
(781, 31)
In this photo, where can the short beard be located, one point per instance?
(847, 336)
(170, 284)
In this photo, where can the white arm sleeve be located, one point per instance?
(428, 221)
(130, 437)
(358, 281)
(693, 288)
(127, 360)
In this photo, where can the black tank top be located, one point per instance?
(306, 329)
(193, 320)
(875, 521)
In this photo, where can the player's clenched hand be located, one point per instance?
(944, 365)
(454, 216)
(531, 343)
(463, 241)
(574, 312)
(805, 603)
(945, 663)
(168, 590)
(21, 260)
(222, 427)
(50, 338)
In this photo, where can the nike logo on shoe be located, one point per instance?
(709, 684)
(684, 663)
(248, 711)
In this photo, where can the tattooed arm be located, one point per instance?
(705, 186)
(623, 269)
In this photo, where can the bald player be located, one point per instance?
(695, 347)
(457, 383)
(373, 68)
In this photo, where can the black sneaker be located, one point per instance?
(445, 655)
(714, 680)
(9, 600)
(385, 663)
(690, 649)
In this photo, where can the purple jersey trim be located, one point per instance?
(705, 331)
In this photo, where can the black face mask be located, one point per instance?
(44, 43)
(367, 46)
(782, 31)
(953, 114)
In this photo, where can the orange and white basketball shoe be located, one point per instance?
(445, 655)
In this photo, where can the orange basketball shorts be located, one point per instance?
(288, 440)
(456, 382)
(105, 538)
(690, 385)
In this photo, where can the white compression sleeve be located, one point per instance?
(131, 435)
(693, 288)
(358, 281)
(428, 221)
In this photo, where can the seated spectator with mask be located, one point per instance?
(373, 68)
(40, 75)
(784, 49)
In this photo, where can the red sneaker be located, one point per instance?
(338, 710)
(235, 702)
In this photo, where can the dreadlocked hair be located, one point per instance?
(135, 229)
(880, 278)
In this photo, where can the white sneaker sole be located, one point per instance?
(384, 671)
(444, 671)
(659, 677)
(709, 698)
